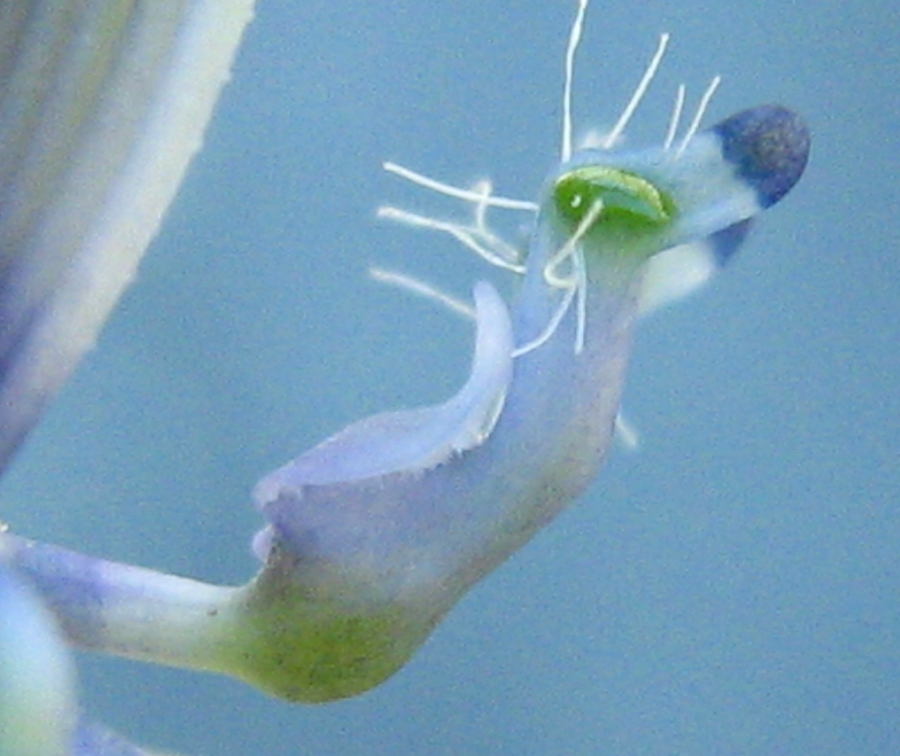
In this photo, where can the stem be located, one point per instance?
(130, 611)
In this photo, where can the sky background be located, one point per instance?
(733, 587)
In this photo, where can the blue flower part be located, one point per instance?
(770, 146)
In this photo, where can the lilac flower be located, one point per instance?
(372, 536)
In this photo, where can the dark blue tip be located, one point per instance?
(726, 242)
(770, 145)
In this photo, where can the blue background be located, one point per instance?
(731, 588)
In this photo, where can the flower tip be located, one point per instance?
(769, 145)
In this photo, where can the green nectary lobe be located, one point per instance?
(626, 197)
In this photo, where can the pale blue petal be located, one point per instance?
(102, 107)
(37, 677)
(680, 271)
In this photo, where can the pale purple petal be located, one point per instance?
(415, 440)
